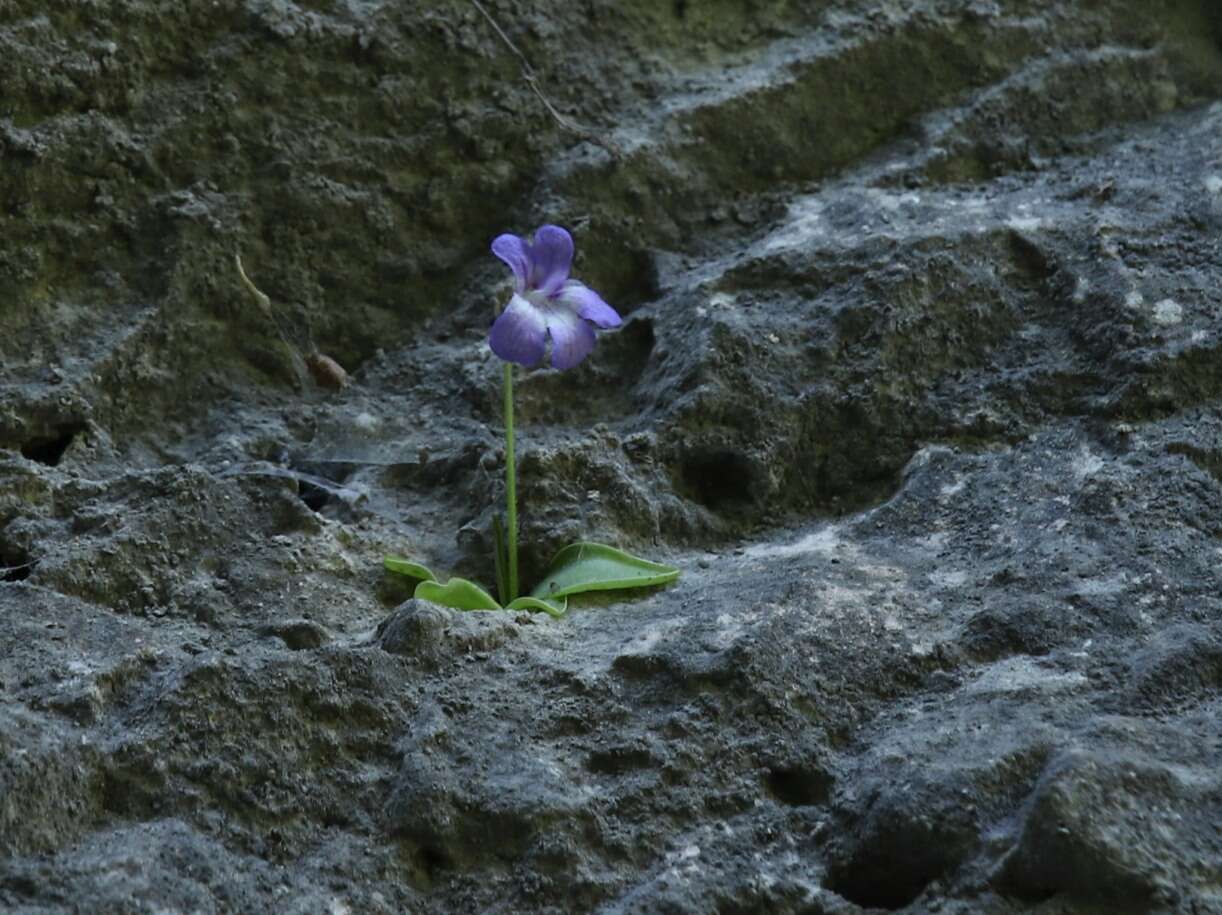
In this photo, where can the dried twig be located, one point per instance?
(261, 299)
(326, 371)
(532, 80)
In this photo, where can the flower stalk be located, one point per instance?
(511, 490)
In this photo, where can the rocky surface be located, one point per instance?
(920, 384)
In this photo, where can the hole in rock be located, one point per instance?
(890, 869)
(877, 890)
(1030, 259)
(320, 483)
(314, 497)
(432, 861)
(799, 787)
(11, 573)
(15, 564)
(637, 340)
(16, 573)
(21, 885)
(49, 449)
(618, 760)
(719, 479)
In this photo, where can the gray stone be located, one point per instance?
(919, 383)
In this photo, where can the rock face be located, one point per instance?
(920, 383)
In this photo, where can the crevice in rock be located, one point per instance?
(798, 786)
(1167, 385)
(21, 885)
(49, 449)
(619, 760)
(867, 887)
(312, 479)
(16, 573)
(720, 479)
(314, 497)
(1209, 461)
(1031, 260)
(16, 564)
(630, 349)
(433, 861)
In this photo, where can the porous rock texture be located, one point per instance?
(919, 383)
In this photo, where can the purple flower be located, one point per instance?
(546, 302)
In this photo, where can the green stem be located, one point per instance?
(498, 543)
(511, 486)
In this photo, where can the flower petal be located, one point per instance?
(516, 253)
(588, 304)
(572, 338)
(551, 256)
(519, 334)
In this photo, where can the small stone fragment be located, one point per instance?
(326, 371)
(298, 634)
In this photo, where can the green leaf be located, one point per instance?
(555, 608)
(408, 568)
(598, 567)
(457, 593)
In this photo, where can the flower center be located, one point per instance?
(539, 300)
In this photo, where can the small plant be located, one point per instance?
(546, 303)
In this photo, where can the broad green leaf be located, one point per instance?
(555, 608)
(598, 567)
(457, 593)
(408, 568)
